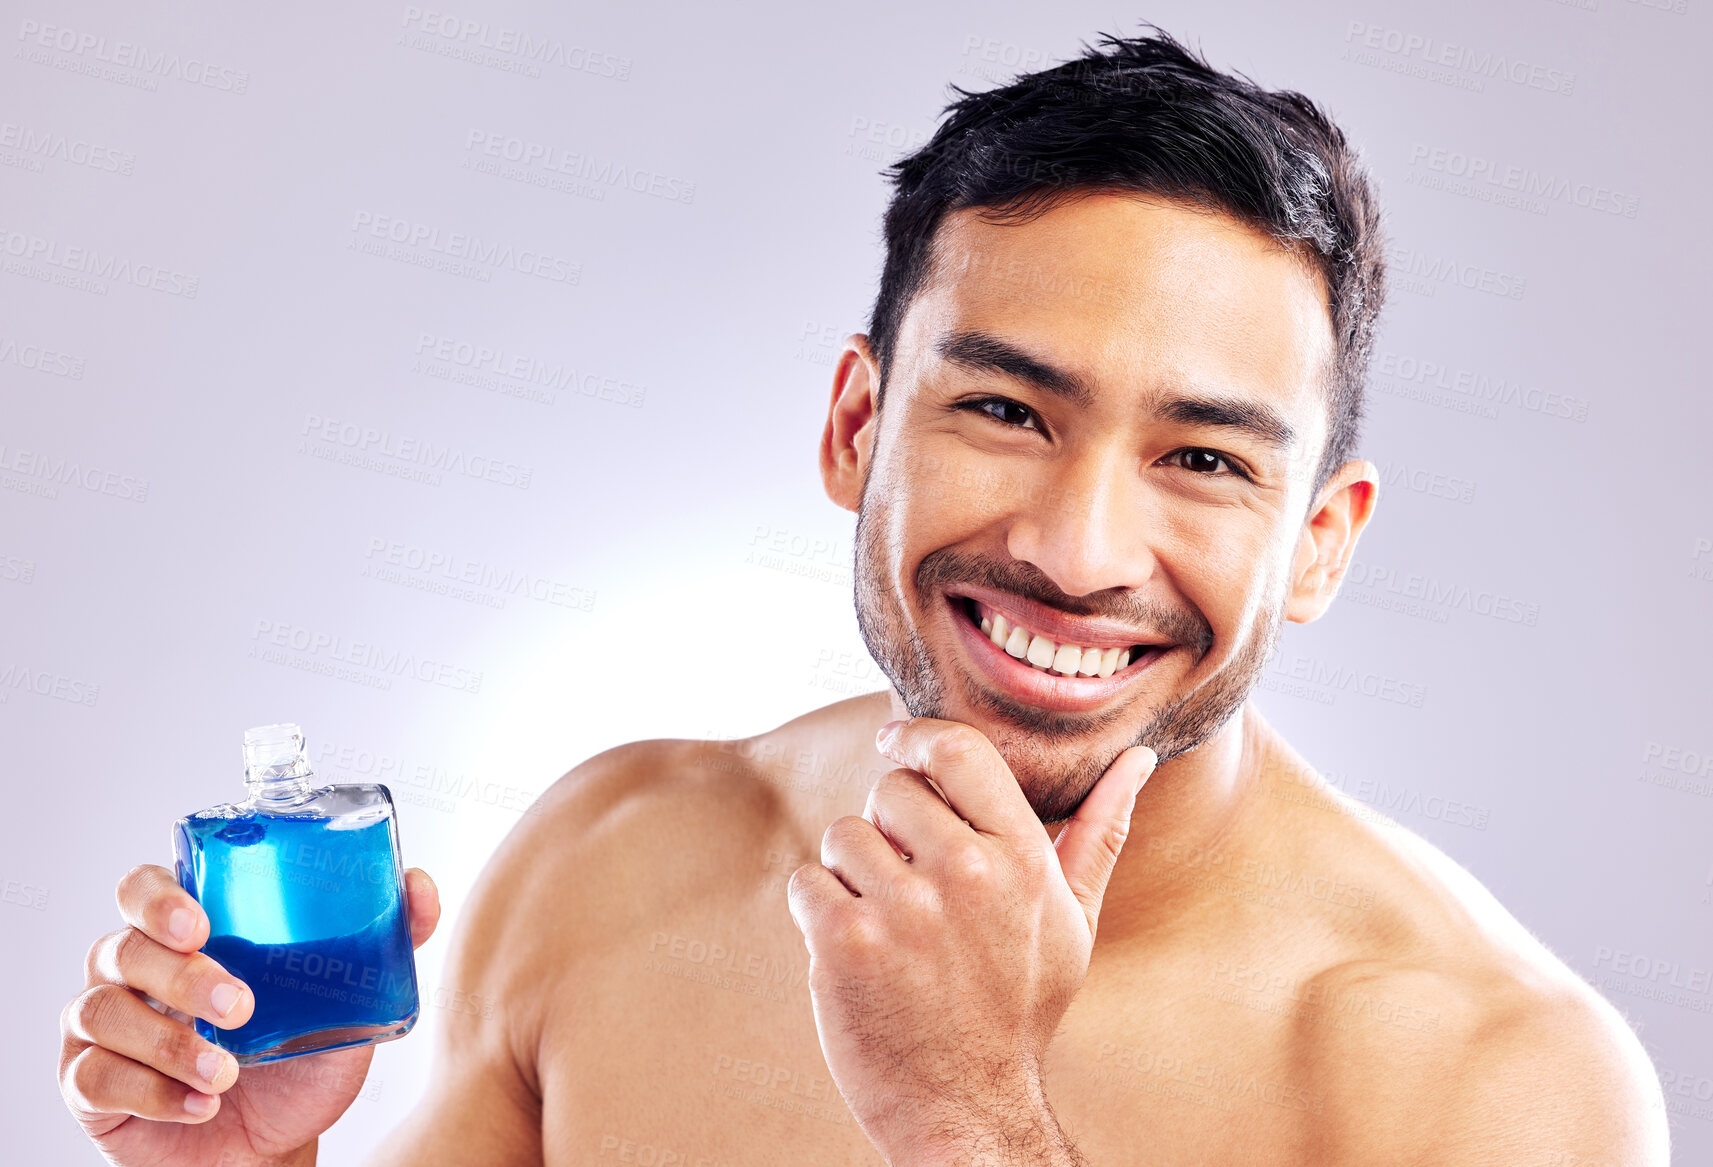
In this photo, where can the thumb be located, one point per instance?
(1089, 844)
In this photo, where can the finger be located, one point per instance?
(151, 901)
(423, 900)
(100, 1082)
(967, 768)
(855, 851)
(815, 894)
(1089, 844)
(117, 1019)
(912, 815)
(192, 983)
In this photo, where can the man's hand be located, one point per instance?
(147, 1090)
(947, 936)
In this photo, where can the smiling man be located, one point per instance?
(1059, 895)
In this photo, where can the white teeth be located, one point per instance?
(1068, 659)
(1109, 662)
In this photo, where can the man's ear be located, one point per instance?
(848, 440)
(1329, 536)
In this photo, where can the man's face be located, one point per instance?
(1101, 427)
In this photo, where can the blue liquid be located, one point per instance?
(312, 919)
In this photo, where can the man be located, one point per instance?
(1099, 440)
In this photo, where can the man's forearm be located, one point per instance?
(1034, 1138)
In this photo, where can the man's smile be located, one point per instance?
(1045, 657)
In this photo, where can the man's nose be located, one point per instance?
(1090, 531)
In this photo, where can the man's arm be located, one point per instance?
(510, 952)
(1436, 1071)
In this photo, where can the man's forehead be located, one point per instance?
(1135, 291)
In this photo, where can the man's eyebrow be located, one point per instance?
(982, 352)
(1254, 418)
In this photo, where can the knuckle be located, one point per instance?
(102, 960)
(191, 981)
(176, 1047)
(803, 887)
(843, 830)
(895, 783)
(91, 1079)
(961, 746)
(858, 935)
(968, 865)
(94, 1013)
(128, 950)
(1031, 861)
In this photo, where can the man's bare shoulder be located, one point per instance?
(1493, 1063)
(1441, 1027)
(655, 836)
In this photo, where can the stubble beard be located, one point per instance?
(1056, 757)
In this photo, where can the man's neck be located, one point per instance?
(1185, 825)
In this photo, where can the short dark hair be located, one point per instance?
(1146, 115)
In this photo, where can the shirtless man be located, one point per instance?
(1121, 422)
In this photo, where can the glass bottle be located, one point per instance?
(304, 891)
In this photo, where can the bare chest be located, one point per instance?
(696, 1047)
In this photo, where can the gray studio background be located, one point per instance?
(263, 431)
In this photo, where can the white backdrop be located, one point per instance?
(449, 382)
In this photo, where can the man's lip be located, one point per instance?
(1058, 627)
(1023, 682)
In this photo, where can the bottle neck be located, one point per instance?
(280, 785)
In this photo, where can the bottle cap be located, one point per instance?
(274, 751)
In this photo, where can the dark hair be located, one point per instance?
(1146, 115)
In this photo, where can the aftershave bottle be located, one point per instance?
(304, 891)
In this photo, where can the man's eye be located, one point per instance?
(1008, 411)
(1201, 461)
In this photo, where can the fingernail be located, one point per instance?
(224, 998)
(198, 1103)
(887, 735)
(209, 1063)
(181, 923)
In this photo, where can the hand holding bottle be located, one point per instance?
(148, 1090)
